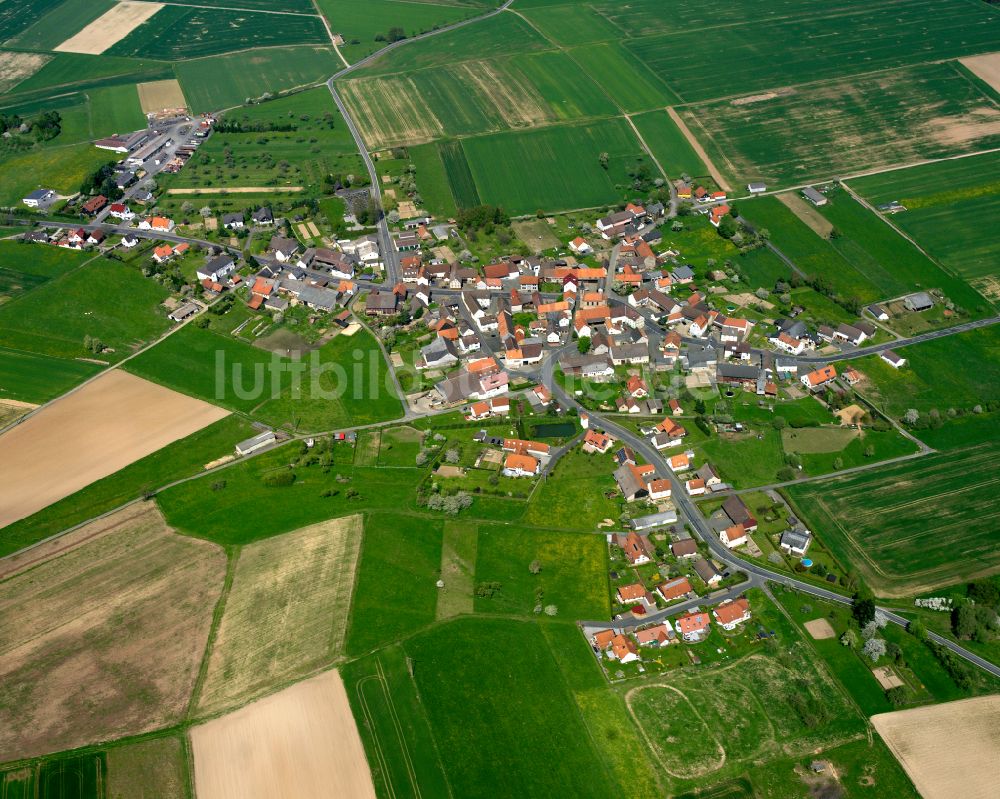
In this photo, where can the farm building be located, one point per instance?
(814, 196)
(258, 442)
(921, 301)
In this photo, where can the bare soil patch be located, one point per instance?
(445, 253)
(447, 470)
(160, 95)
(816, 222)
(300, 743)
(286, 614)
(887, 678)
(820, 629)
(947, 750)
(89, 434)
(851, 415)
(713, 171)
(15, 67)
(110, 28)
(147, 770)
(978, 123)
(986, 67)
(105, 640)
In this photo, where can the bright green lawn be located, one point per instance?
(572, 496)
(518, 708)
(105, 299)
(28, 377)
(573, 574)
(668, 144)
(60, 168)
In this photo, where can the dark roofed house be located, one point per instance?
(739, 513)
(381, 303)
(707, 571)
(263, 216)
(233, 221)
(687, 548)
(920, 301)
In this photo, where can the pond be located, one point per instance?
(554, 430)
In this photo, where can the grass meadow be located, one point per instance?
(176, 461)
(434, 180)
(176, 33)
(554, 168)
(573, 497)
(60, 23)
(19, 15)
(522, 713)
(104, 299)
(573, 574)
(946, 204)
(62, 168)
(28, 377)
(889, 119)
(953, 372)
(225, 81)
(912, 527)
(624, 77)
(82, 72)
(460, 179)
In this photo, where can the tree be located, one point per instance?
(964, 621)
(869, 451)
(917, 629)
(583, 344)
(551, 610)
(898, 696)
(452, 456)
(849, 638)
(864, 608)
(874, 649)
(912, 416)
(786, 474)
(535, 566)
(779, 422)
(838, 464)
(602, 159)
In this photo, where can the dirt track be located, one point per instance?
(106, 425)
(696, 145)
(947, 750)
(300, 743)
(109, 28)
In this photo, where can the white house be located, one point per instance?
(39, 197)
(734, 536)
(893, 359)
(580, 247)
(217, 268)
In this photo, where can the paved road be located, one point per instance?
(393, 273)
(689, 510)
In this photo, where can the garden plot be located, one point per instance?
(948, 750)
(101, 428)
(110, 28)
(286, 613)
(300, 743)
(105, 640)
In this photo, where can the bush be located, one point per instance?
(279, 479)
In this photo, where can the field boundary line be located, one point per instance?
(234, 8)
(696, 145)
(329, 32)
(399, 727)
(232, 558)
(645, 147)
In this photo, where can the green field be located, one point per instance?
(402, 755)
(867, 260)
(573, 574)
(104, 299)
(841, 39)
(199, 509)
(459, 175)
(19, 15)
(28, 377)
(957, 371)
(668, 144)
(176, 461)
(115, 109)
(554, 168)
(319, 145)
(626, 79)
(395, 592)
(571, 24)
(573, 497)
(90, 71)
(523, 713)
(60, 168)
(914, 527)
(946, 204)
(499, 36)
(61, 23)
(176, 33)
(433, 179)
(360, 24)
(217, 82)
(892, 118)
